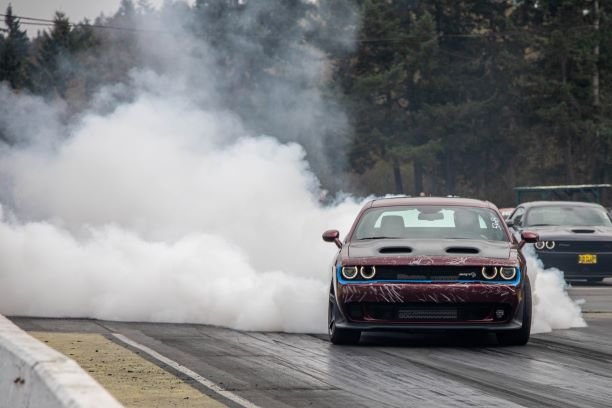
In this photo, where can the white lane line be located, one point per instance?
(202, 380)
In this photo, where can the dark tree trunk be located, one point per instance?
(596, 100)
(397, 177)
(449, 181)
(418, 178)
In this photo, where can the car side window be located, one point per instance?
(517, 216)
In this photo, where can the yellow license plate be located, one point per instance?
(587, 259)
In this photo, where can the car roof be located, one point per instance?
(560, 204)
(442, 201)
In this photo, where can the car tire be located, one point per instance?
(337, 335)
(519, 337)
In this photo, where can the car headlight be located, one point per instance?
(540, 245)
(489, 272)
(367, 272)
(349, 272)
(507, 273)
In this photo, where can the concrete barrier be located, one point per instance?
(33, 375)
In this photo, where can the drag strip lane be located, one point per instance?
(518, 393)
(519, 375)
(563, 368)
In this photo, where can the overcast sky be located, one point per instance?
(76, 10)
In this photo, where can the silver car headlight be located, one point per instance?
(507, 273)
(367, 272)
(349, 272)
(489, 272)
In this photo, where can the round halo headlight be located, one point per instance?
(367, 272)
(349, 272)
(507, 273)
(550, 244)
(540, 245)
(489, 272)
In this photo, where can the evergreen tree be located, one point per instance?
(475, 110)
(443, 96)
(127, 9)
(433, 86)
(14, 53)
(568, 97)
(57, 62)
(397, 76)
(379, 78)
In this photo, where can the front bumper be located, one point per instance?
(428, 306)
(567, 262)
(515, 324)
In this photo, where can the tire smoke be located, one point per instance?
(552, 307)
(161, 212)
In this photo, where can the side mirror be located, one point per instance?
(332, 236)
(528, 237)
(510, 223)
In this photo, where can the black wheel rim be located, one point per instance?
(331, 319)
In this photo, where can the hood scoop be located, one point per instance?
(400, 248)
(462, 250)
(395, 250)
(583, 231)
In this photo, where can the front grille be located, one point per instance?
(581, 246)
(415, 313)
(440, 273)
(426, 312)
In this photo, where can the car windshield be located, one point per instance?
(567, 215)
(430, 222)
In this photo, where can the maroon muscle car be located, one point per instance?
(414, 264)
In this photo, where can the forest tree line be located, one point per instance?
(456, 97)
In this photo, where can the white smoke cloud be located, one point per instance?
(115, 274)
(159, 202)
(552, 306)
(159, 211)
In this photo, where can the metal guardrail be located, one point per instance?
(577, 192)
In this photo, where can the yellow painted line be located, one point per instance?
(134, 381)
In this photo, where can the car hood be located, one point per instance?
(464, 248)
(573, 233)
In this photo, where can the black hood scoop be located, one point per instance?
(395, 250)
(398, 247)
(462, 250)
(583, 230)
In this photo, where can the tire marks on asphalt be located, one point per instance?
(570, 368)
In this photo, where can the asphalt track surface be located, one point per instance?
(565, 368)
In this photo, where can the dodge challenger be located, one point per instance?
(574, 237)
(419, 264)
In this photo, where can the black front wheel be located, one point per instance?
(519, 337)
(337, 335)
